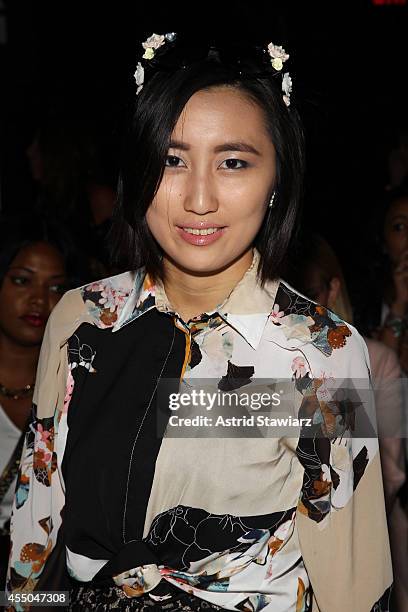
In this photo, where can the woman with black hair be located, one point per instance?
(394, 308)
(380, 294)
(129, 512)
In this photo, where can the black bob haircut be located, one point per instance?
(171, 79)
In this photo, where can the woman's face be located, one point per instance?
(396, 230)
(219, 176)
(31, 288)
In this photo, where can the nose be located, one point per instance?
(200, 194)
(402, 244)
(39, 296)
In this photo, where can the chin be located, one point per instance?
(203, 263)
(30, 340)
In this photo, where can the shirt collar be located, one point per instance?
(246, 309)
(249, 305)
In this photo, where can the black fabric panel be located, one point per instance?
(183, 535)
(104, 416)
(130, 555)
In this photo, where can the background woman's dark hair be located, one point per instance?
(158, 108)
(372, 271)
(17, 232)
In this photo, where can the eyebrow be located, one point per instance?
(33, 271)
(244, 147)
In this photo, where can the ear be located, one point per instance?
(334, 290)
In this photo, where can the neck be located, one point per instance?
(192, 294)
(17, 363)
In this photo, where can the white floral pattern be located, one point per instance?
(155, 41)
(277, 52)
(276, 314)
(320, 479)
(299, 367)
(139, 77)
(286, 88)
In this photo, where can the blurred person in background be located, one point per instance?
(37, 265)
(75, 185)
(380, 297)
(318, 274)
(392, 328)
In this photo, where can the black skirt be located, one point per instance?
(87, 598)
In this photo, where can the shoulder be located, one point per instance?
(319, 330)
(101, 301)
(120, 284)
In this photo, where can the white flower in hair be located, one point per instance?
(154, 41)
(148, 54)
(286, 88)
(278, 52)
(139, 77)
(277, 63)
(278, 55)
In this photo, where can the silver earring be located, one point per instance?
(271, 201)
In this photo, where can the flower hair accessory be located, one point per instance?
(278, 57)
(154, 42)
(274, 64)
(286, 88)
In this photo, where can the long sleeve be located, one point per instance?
(35, 522)
(341, 514)
(39, 498)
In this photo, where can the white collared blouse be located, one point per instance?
(300, 514)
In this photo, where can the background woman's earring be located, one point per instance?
(271, 201)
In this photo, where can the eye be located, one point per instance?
(398, 227)
(59, 289)
(20, 280)
(172, 161)
(234, 164)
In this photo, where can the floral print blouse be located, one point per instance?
(287, 523)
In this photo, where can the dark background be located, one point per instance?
(349, 67)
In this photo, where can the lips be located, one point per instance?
(199, 224)
(34, 320)
(201, 239)
(201, 233)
